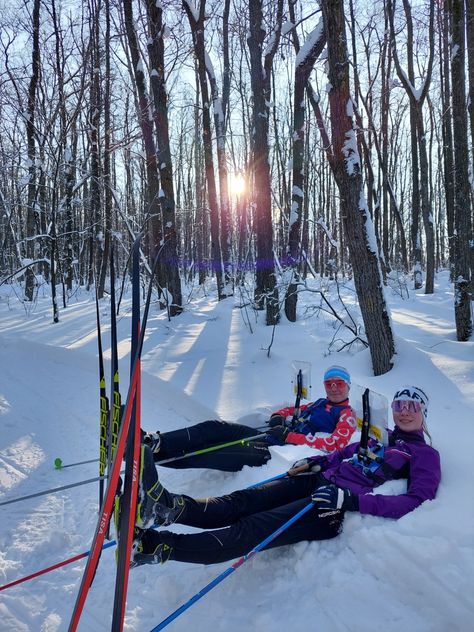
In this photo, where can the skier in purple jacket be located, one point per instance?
(335, 483)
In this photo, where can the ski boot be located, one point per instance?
(155, 504)
(147, 548)
(152, 440)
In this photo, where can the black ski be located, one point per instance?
(126, 505)
(104, 406)
(107, 505)
(115, 398)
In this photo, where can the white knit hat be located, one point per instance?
(414, 393)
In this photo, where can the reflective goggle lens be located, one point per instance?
(337, 383)
(399, 405)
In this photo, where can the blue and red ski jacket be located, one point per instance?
(337, 420)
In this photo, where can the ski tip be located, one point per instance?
(58, 463)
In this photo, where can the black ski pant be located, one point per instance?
(211, 433)
(243, 519)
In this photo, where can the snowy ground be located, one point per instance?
(414, 574)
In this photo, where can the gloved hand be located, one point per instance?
(310, 464)
(152, 440)
(279, 420)
(276, 435)
(333, 497)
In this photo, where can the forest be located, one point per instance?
(255, 143)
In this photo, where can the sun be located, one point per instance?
(236, 183)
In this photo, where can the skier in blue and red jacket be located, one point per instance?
(335, 483)
(331, 415)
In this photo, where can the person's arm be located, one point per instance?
(288, 411)
(337, 440)
(425, 475)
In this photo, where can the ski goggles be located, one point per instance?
(409, 405)
(336, 382)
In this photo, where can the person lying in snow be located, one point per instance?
(331, 414)
(335, 483)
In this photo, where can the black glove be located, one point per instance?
(310, 464)
(276, 435)
(152, 440)
(333, 497)
(279, 420)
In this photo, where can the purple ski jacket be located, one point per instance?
(407, 456)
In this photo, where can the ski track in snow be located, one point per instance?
(414, 574)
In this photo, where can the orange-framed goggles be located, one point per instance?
(334, 383)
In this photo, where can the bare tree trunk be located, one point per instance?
(200, 193)
(156, 52)
(470, 59)
(448, 152)
(386, 68)
(420, 172)
(464, 247)
(93, 127)
(197, 30)
(220, 105)
(303, 66)
(106, 161)
(145, 119)
(426, 206)
(266, 291)
(346, 167)
(31, 143)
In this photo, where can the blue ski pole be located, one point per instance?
(269, 480)
(231, 569)
(86, 553)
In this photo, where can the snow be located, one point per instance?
(413, 574)
(310, 43)
(350, 151)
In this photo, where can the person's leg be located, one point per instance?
(206, 434)
(230, 459)
(221, 511)
(211, 547)
(158, 506)
(202, 435)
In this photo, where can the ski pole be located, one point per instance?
(53, 567)
(212, 448)
(231, 569)
(53, 490)
(98, 478)
(299, 392)
(59, 466)
(269, 480)
(80, 556)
